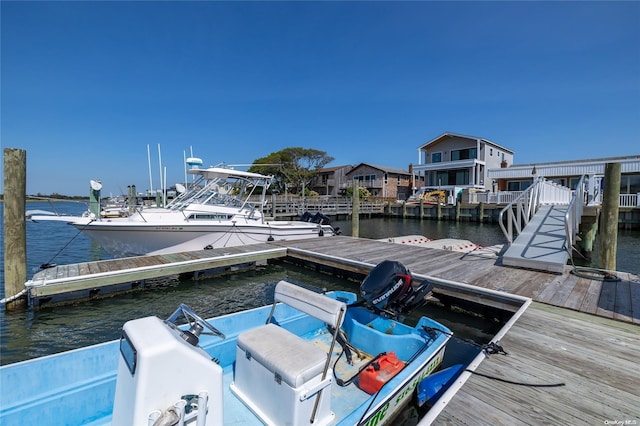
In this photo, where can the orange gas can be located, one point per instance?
(379, 372)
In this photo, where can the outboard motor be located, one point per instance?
(390, 290)
(321, 219)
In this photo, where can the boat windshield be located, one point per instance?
(229, 191)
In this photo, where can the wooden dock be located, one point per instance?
(619, 300)
(596, 358)
(579, 331)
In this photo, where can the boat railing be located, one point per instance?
(573, 216)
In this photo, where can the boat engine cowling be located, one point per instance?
(390, 289)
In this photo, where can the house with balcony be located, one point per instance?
(330, 180)
(453, 162)
(382, 181)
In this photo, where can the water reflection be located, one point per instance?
(33, 333)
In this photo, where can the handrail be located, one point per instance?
(526, 205)
(573, 216)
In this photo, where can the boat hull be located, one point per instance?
(78, 387)
(123, 238)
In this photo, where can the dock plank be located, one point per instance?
(590, 301)
(550, 345)
(623, 296)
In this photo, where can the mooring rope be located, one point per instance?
(492, 348)
(14, 297)
(592, 273)
(49, 264)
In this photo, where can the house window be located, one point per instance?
(436, 157)
(491, 152)
(518, 185)
(442, 178)
(464, 154)
(632, 184)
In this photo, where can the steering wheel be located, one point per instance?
(196, 325)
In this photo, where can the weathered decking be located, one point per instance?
(596, 358)
(619, 300)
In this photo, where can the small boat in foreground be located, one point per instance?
(308, 359)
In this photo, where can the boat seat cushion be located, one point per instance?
(288, 356)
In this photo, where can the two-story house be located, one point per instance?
(330, 180)
(454, 162)
(382, 181)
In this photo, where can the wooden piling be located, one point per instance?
(355, 210)
(609, 216)
(588, 232)
(15, 230)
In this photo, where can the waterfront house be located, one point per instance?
(381, 181)
(518, 177)
(455, 162)
(330, 180)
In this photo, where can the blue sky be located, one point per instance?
(87, 86)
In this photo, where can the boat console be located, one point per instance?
(163, 376)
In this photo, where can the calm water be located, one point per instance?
(32, 333)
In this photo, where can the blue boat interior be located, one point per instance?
(78, 386)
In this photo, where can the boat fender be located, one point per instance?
(432, 387)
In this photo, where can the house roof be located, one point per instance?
(386, 169)
(457, 135)
(333, 169)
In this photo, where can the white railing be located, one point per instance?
(555, 194)
(630, 200)
(573, 216)
(501, 197)
(520, 211)
(506, 197)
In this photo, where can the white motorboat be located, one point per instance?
(222, 208)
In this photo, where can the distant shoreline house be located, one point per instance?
(453, 161)
(330, 180)
(381, 181)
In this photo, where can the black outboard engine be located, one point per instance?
(321, 219)
(389, 290)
